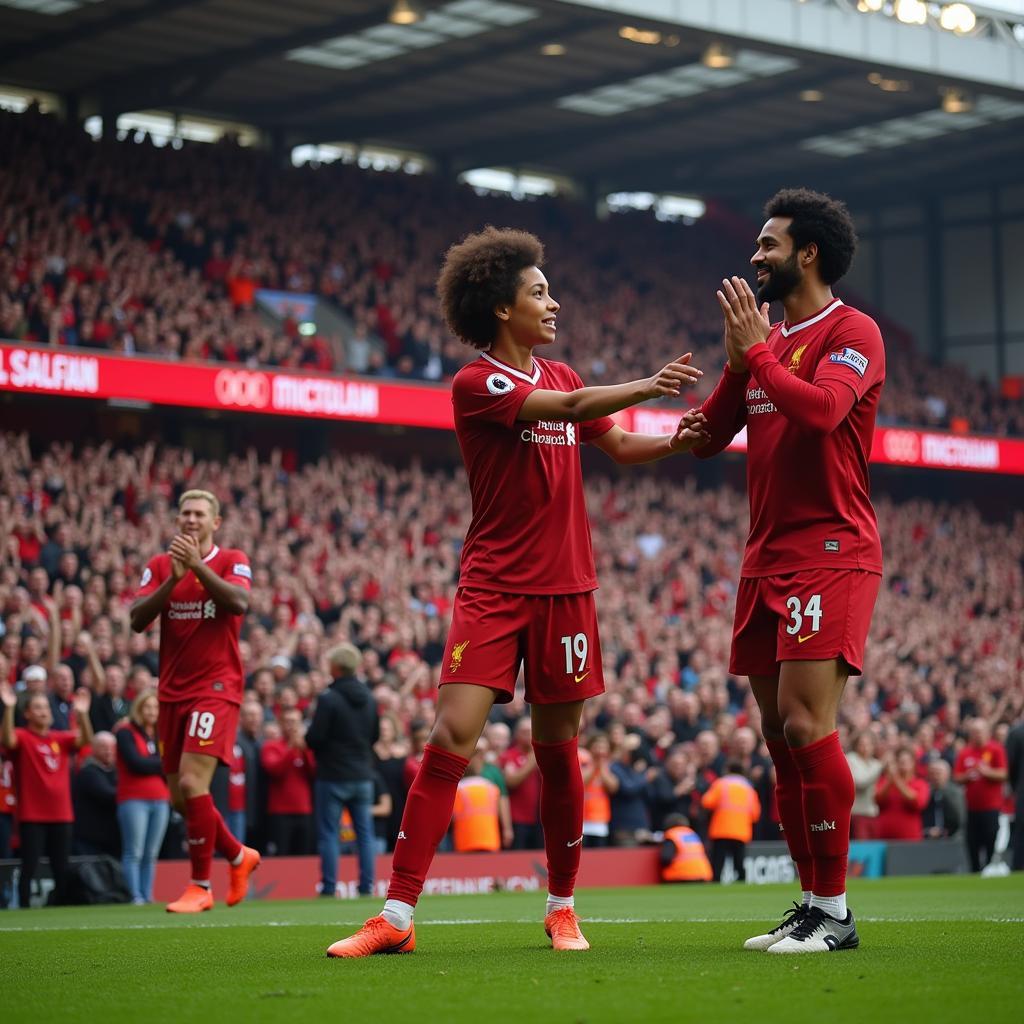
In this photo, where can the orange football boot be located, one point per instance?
(378, 935)
(238, 875)
(194, 900)
(563, 928)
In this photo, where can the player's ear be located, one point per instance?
(502, 312)
(808, 253)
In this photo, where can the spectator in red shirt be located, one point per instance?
(981, 769)
(42, 774)
(142, 796)
(519, 764)
(290, 769)
(901, 797)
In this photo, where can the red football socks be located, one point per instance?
(789, 797)
(201, 827)
(561, 812)
(226, 844)
(428, 813)
(828, 799)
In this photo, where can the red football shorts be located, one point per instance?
(205, 725)
(554, 636)
(814, 615)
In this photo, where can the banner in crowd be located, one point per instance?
(44, 370)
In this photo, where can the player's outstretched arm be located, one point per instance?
(629, 449)
(604, 400)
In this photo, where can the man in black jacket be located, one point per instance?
(94, 794)
(344, 728)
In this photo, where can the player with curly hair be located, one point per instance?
(527, 579)
(807, 391)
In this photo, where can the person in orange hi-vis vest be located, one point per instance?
(476, 818)
(595, 759)
(683, 858)
(734, 808)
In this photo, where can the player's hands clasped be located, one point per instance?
(745, 324)
(184, 552)
(670, 380)
(691, 433)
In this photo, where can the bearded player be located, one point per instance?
(527, 581)
(200, 592)
(807, 390)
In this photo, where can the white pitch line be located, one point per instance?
(475, 921)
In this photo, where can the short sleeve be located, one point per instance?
(496, 397)
(152, 576)
(854, 356)
(591, 430)
(238, 570)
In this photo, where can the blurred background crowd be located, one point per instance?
(362, 549)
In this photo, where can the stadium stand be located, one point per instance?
(159, 252)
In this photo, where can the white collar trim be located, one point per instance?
(213, 552)
(787, 331)
(529, 378)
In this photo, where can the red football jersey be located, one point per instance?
(199, 653)
(530, 533)
(8, 799)
(981, 794)
(42, 775)
(290, 775)
(236, 780)
(810, 504)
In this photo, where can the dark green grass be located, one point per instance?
(932, 949)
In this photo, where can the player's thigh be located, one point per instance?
(556, 723)
(766, 693)
(823, 614)
(462, 712)
(484, 641)
(754, 631)
(208, 728)
(563, 663)
(809, 696)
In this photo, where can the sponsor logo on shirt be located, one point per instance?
(499, 384)
(757, 402)
(146, 577)
(180, 610)
(832, 546)
(458, 650)
(556, 432)
(857, 361)
(794, 359)
(241, 569)
(824, 826)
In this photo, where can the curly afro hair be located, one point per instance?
(821, 219)
(480, 273)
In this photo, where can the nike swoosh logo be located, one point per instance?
(579, 679)
(205, 743)
(575, 842)
(801, 639)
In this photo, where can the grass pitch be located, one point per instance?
(932, 949)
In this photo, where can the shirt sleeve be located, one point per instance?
(489, 397)
(591, 430)
(152, 576)
(238, 572)
(68, 740)
(855, 356)
(726, 412)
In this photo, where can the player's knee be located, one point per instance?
(191, 786)
(454, 736)
(799, 728)
(774, 731)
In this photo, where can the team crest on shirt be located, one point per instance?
(499, 384)
(857, 361)
(458, 650)
(146, 577)
(794, 359)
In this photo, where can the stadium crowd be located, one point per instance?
(160, 252)
(354, 548)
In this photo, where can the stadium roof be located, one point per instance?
(619, 95)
